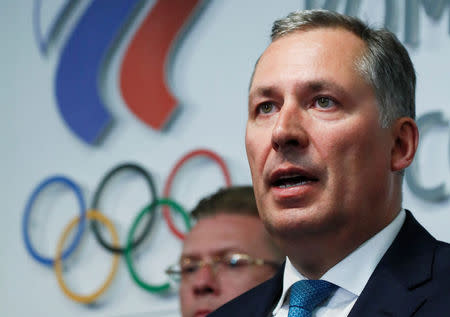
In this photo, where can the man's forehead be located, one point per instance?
(302, 45)
(312, 60)
(222, 233)
(314, 37)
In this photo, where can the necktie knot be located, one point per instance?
(306, 295)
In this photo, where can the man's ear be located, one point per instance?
(406, 139)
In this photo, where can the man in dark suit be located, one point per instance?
(330, 130)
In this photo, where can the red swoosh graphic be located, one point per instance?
(142, 78)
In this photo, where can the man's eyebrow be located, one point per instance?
(320, 85)
(265, 91)
(309, 86)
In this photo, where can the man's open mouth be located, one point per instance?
(287, 179)
(292, 181)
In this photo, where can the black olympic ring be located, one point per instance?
(96, 199)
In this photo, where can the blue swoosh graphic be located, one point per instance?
(77, 75)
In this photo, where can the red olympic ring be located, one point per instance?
(166, 193)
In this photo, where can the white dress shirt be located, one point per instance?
(350, 275)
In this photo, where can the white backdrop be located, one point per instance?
(209, 76)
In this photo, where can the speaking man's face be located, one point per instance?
(319, 158)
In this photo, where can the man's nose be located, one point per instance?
(289, 131)
(205, 281)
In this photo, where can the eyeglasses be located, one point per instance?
(187, 268)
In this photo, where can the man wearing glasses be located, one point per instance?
(226, 253)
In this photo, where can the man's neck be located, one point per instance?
(314, 255)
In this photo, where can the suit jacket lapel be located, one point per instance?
(398, 286)
(257, 302)
(267, 296)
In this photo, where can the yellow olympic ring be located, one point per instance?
(91, 214)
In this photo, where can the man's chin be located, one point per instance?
(294, 223)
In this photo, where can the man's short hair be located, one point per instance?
(385, 64)
(231, 200)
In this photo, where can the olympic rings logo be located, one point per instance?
(96, 218)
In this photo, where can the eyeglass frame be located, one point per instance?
(177, 275)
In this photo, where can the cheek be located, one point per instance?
(358, 156)
(256, 160)
(250, 150)
(347, 146)
(257, 144)
(184, 293)
(345, 155)
(186, 300)
(252, 157)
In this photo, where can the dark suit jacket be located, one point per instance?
(412, 279)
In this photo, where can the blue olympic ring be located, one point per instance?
(81, 225)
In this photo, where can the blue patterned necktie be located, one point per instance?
(306, 295)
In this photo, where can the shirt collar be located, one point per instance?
(353, 272)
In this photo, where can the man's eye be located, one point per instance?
(236, 263)
(266, 108)
(189, 269)
(324, 103)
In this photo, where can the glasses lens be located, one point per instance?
(236, 260)
(189, 268)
